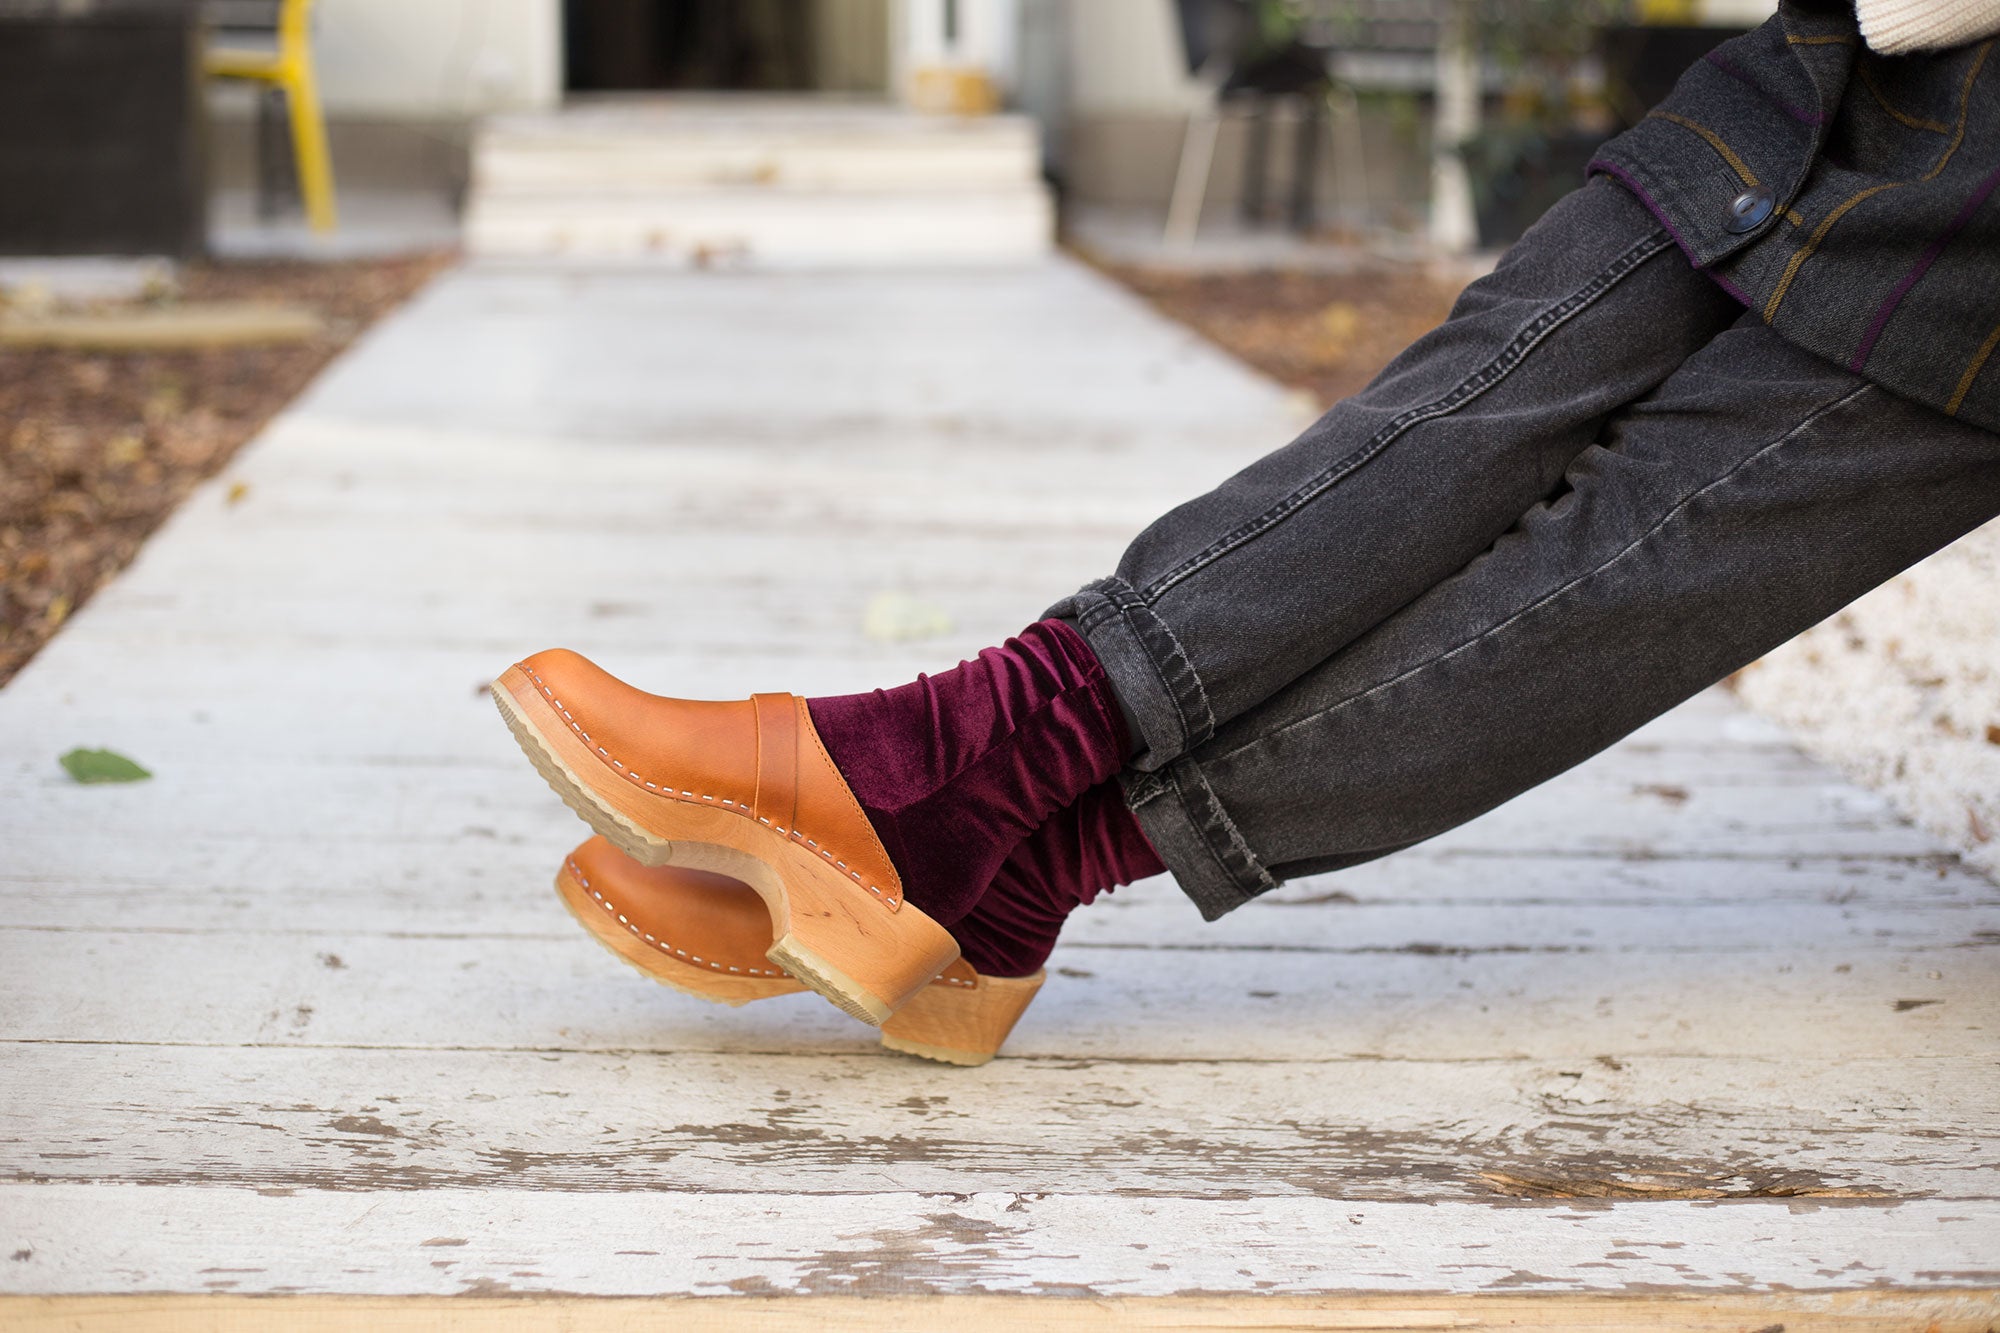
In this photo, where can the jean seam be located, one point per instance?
(1107, 588)
(1197, 715)
(1208, 824)
(1673, 513)
(1486, 377)
(1171, 666)
(1098, 614)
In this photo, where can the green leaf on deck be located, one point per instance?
(102, 766)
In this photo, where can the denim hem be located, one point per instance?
(1205, 852)
(1149, 670)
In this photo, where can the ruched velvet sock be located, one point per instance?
(955, 769)
(1089, 848)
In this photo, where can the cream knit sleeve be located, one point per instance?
(1898, 27)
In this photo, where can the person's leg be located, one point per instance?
(1756, 492)
(1228, 598)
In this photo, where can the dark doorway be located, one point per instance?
(689, 45)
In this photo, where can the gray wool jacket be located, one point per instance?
(1851, 200)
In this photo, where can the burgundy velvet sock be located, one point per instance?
(1090, 848)
(954, 770)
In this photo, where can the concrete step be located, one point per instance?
(756, 228)
(783, 182)
(779, 144)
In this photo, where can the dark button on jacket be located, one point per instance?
(1849, 199)
(1748, 210)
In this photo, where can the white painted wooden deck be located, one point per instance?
(302, 1015)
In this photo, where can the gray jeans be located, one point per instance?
(1593, 491)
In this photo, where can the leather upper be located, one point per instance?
(759, 758)
(703, 919)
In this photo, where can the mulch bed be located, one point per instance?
(96, 448)
(1324, 333)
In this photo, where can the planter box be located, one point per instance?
(101, 128)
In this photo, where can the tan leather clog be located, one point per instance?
(741, 789)
(707, 935)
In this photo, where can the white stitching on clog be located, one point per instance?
(662, 945)
(668, 792)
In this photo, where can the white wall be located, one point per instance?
(1125, 56)
(438, 57)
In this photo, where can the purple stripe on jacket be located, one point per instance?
(1921, 267)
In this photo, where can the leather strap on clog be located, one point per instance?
(776, 797)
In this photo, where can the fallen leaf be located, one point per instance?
(897, 617)
(1340, 321)
(237, 490)
(92, 766)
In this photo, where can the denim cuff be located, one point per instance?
(1204, 850)
(1162, 697)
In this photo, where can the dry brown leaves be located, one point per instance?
(97, 448)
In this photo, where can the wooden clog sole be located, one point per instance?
(864, 959)
(950, 1026)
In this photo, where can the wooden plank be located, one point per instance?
(1936, 1311)
(958, 464)
(460, 770)
(438, 696)
(1481, 1131)
(384, 806)
(1458, 904)
(1512, 905)
(168, 328)
(1844, 1312)
(559, 994)
(82, 687)
(1060, 351)
(1066, 1246)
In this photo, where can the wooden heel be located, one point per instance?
(961, 1021)
(867, 960)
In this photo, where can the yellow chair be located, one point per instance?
(290, 69)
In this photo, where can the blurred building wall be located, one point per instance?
(438, 57)
(1126, 58)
